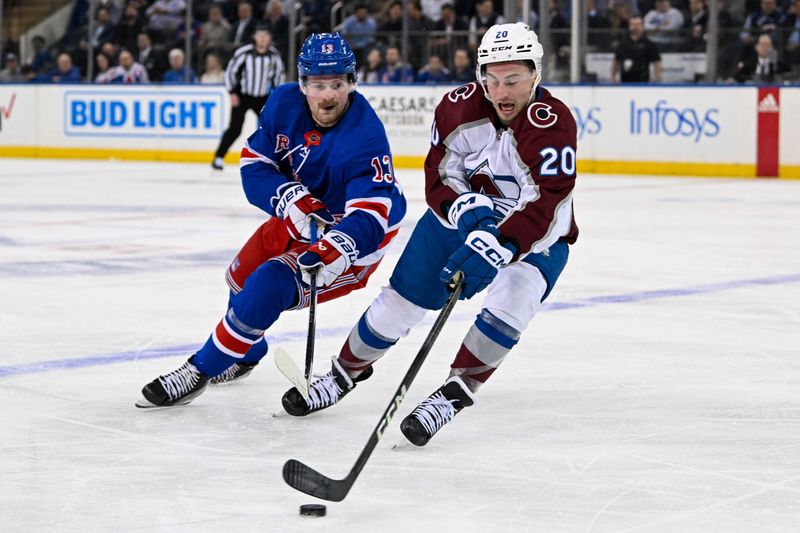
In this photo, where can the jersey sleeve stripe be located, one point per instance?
(377, 207)
(249, 156)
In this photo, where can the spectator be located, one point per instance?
(434, 72)
(129, 27)
(618, 17)
(532, 20)
(599, 34)
(65, 71)
(102, 67)
(114, 8)
(763, 66)
(662, 24)
(104, 29)
(178, 71)
(792, 27)
(393, 25)
(213, 73)
(214, 32)
(699, 19)
(164, 16)
(443, 42)
(634, 56)
(276, 21)
(372, 69)
(418, 26)
(730, 46)
(42, 59)
(179, 41)
(463, 69)
(149, 57)
(396, 71)
(484, 18)
(560, 37)
(128, 71)
(433, 8)
(12, 72)
(767, 20)
(111, 50)
(316, 15)
(359, 30)
(243, 28)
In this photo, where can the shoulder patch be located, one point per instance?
(541, 115)
(463, 92)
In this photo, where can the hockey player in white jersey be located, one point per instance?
(499, 179)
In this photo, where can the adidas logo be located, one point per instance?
(768, 104)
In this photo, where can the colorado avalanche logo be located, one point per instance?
(503, 190)
(463, 92)
(541, 115)
(281, 143)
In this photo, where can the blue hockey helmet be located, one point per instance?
(326, 54)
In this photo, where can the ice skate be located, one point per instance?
(436, 410)
(236, 371)
(218, 164)
(324, 391)
(179, 387)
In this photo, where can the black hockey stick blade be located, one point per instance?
(307, 480)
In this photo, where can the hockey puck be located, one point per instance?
(312, 509)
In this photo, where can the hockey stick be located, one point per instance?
(283, 361)
(308, 480)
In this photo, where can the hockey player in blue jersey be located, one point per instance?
(319, 156)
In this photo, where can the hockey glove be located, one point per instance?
(472, 211)
(332, 256)
(295, 205)
(479, 258)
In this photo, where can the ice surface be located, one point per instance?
(658, 391)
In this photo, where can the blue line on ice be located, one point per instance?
(171, 351)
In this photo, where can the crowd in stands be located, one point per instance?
(137, 41)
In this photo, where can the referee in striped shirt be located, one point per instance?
(252, 73)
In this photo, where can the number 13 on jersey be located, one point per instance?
(383, 172)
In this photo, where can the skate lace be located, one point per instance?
(324, 392)
(434, 412)
(180, 381)
(228, 375)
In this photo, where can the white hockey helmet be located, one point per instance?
(509, 42)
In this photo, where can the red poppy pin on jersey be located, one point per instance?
(313, 138)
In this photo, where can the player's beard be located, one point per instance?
(328, 117)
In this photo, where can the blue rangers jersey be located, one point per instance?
(347, 166)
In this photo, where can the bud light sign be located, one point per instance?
(136, 113)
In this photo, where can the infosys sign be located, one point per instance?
(141, 113)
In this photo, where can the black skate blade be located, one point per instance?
(144, 403)
(307, 480)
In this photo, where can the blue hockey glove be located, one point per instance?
(472, 211)
(479, 258)
(294, 205)
(332, 256)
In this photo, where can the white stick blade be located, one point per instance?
(289, 368)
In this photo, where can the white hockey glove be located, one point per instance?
(294, 205)
(333, 255)
(472, 211)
